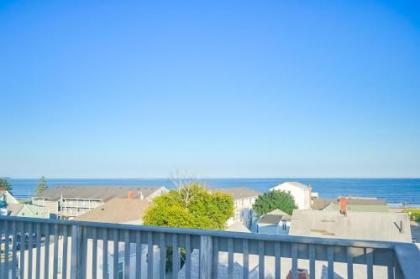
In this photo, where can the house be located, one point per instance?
(243, 199)
(118, 210)
(274, 222)
(27, 210)
(300, 192)
(7, 197)
(68, 202)
(382, 226)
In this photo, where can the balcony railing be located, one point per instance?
(38, 248)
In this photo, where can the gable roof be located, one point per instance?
(383, 226)
(117, 210)
(274, 217)
(97, 192)
(237, 192)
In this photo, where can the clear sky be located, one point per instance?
(210, 88)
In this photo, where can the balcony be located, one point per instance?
(38, 248)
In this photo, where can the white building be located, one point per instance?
(300, 192)
(243, 199)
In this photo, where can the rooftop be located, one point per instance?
(98, 192)
(385, 226)
(291, 184)
(118, 210)
(274, 217)
(237, 192)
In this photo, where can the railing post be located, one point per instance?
(77, 238)
(206, 257)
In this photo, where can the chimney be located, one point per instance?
(141, 195)
(130, 195)
(343, 205)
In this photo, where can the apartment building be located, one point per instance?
(67, 202)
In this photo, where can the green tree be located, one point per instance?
(4, 184)
(274, 200)
(42, 186)
(191, 206)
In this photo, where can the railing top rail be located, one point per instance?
(223, 234)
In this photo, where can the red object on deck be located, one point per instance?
(302, 274)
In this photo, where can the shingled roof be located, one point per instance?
(118, 210)
(97, 192)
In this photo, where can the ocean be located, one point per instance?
(395, 191)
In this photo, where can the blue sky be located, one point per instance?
(212, 89)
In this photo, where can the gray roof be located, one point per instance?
(383, 226)
(237, 192)
(274, 217)
(95, 192)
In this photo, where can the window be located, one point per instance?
(284, 226)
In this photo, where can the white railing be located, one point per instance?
(37, 248)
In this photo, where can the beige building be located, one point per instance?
(70, 201)
(243, 199)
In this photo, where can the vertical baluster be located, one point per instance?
(2, 225)
(94, 252)
(330, 256)
(1, 246)
(349, 263)
(38, 251)
(215, 261)
(175, 256)
(277, 260)
(83, 253)
(311, 262)
(162, 249)
(105, 254)
(30, 248)
(261, 260)
(14, 249)
(55, 261)
(294, 261)
(138, 255)
(127, 255)
(22, 246)
(150, 255)
(65, 251)
(230, 258)
(76, 270)
(115, 259)
(246, 259)
(390, 266)
(188, 257)
(6, 251)
(369, 262)
(47, 251)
